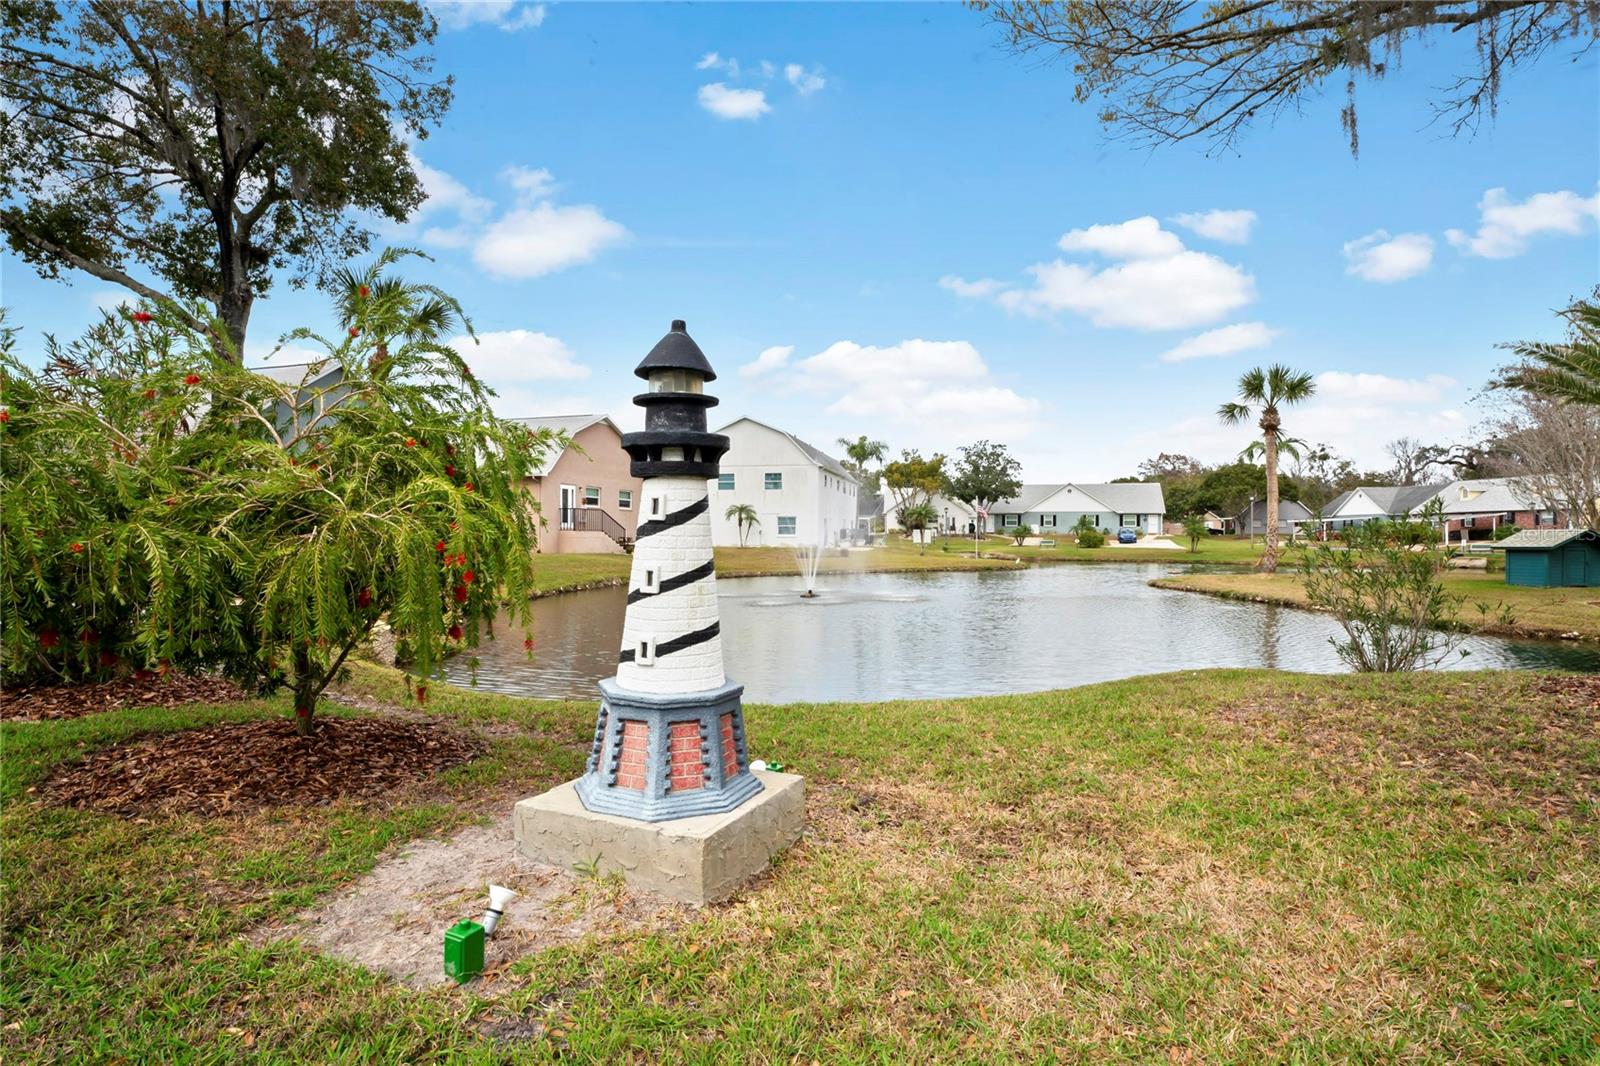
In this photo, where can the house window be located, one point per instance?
(591, 495)
(724, 482)
(1130, 519)
(1046, 520)
(772, 481)
(624, 499)
(1011, 520)
(786, 524)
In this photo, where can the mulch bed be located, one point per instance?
(246, 766)
(76, 701)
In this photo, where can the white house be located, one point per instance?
(1139, 505)
(800, 494)
(955, 517)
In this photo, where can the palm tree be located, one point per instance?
(1568, 371)
(390, 306)
(919, 517)
(1265, 391)
(745, 515)
(862, 451)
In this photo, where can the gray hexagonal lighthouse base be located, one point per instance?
(668, 798)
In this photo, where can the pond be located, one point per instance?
(903, 636)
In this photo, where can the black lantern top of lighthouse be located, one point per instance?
(675, 442)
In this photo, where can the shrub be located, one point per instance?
(1502, 532)
(1091, 538)
(1020, 533)
(1388, 600)
(167, 507)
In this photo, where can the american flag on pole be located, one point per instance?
(983, 514)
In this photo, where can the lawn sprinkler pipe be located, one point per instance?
(499, 896)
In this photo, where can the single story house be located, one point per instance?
(323, 380)
(1553, 558)
(800, 494)
(1369, 503)
(588, 496)
(1053, 509)
(955, 517)
(1475, 508)
(1252, 521)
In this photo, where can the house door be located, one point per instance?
(569, 506)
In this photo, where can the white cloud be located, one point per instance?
(912, 382)
(770, 359)
(727, 103)
(1505, 227)
(530, 183)
(714, 61)
(544, 238)
(1364, 388)
(1380, 257)
(1239, 337)
(1218, 225)
(510, 356)
(804, 81)
(1137, 238)
(111, 299)
(973, 290)
(1155, 283)
(444, 193)
(508, 15)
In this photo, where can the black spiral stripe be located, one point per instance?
(667, 647)
(676, 518)
(688, 577)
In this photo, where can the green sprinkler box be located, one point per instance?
(463, 951)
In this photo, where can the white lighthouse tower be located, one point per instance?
(669, 740)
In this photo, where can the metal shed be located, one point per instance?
(1553, 558)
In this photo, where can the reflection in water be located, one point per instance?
(892, 636)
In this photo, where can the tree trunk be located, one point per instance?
(1269, 560)
(305, 693)
(234, 310)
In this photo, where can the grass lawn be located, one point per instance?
(1536, 612)
(1224, 866)
(1230, 551)
(565, 573)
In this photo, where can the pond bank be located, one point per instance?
(1571, 614)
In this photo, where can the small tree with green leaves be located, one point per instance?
(1020, 533)
(1194, 527)
(168, 508)
(918, 518)
(745, 516)
(1388, 600)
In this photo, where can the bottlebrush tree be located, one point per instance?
(166, 508)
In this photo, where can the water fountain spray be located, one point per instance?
(807, 558)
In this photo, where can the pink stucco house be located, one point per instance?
(588, 501)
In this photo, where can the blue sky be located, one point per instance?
(880, 222)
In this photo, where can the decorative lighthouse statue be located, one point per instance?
(669, 740)
(668, 798)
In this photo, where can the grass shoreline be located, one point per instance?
(1227, 865)
(1540, 614)
(555, 574)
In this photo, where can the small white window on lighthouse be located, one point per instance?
(655, 507)
(646, 653)
(651, 584)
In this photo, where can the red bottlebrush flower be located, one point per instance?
(191, 379)
(77, 547)
(142, 317)
(302, 712)
(455, 525)
(164, 668)
(454, 632)
(108, 658)
(468, 577)
(89, 636)
(364, 598)
(5, 416)
(149, 394)
(449, 471)
(355, 331)
(365, 292)
(527, 643)
(422, 693)
(411, 442)
(461, 594)
(438, 546)
(467, 486)
(450, 449)
(49, 638)
(293, 461)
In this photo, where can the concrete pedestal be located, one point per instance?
(695, 860)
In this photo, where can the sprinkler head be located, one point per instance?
(499, 896)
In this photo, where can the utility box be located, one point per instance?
(463, 951)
